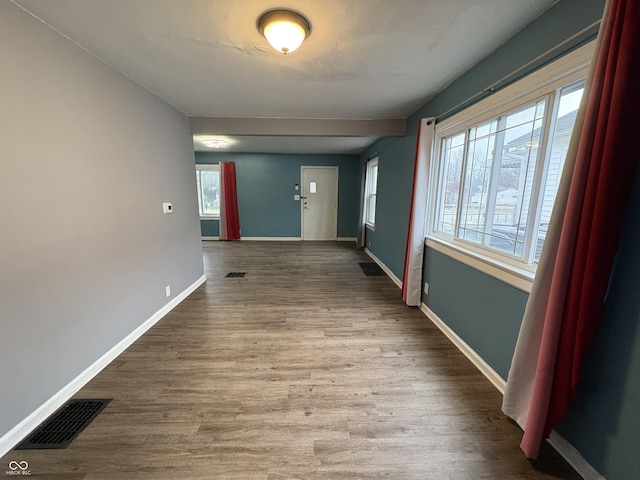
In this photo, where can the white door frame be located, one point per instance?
(316, 167)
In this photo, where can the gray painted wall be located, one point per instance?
(265, 192)
(87, 158)
(605, 423)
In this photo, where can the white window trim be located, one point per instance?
(570, 68)
(373, 161)
(212, 167)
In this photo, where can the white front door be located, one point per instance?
(319, 203)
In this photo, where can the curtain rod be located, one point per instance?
(504, 81)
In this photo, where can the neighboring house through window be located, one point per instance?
(496, 167)
(208, 179)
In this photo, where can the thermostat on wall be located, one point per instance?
(167, 207)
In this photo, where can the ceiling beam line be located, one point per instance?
(334, 127)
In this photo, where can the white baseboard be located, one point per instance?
(573, 457)
(281, 239)
(562, 446)
(466, 350)
(272, 239)
(386, 269)
(210, 238)
(22, 429)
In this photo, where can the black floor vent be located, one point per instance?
(371, 269)
(235, 275)
(64, 425)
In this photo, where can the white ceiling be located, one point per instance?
(365, 59)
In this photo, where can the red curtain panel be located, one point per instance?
(566, 301)
(229, 218)
(612, 159)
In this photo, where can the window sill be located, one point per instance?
(209, 218)
(370, 226)
(519, 278)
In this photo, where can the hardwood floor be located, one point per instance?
(304, 369)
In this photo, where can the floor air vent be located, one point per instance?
(235, 275)
(371, 269)
(64, 425)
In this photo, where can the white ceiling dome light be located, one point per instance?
(284, 29)
(215, 142)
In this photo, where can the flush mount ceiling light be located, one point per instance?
(284, 29)
(215, 142)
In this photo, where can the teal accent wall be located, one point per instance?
(209, 228)
(483, 311)
(604, 425)
(265, 185)
(496, 314)
(393, 201)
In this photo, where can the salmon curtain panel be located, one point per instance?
(229, 219)
(566, 302)
(414, 252)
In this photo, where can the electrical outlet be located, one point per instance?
(426, 288)
(167, 290)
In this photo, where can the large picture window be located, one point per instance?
(496, 173)
(208, 180)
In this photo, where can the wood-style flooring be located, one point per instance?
(304, 369)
